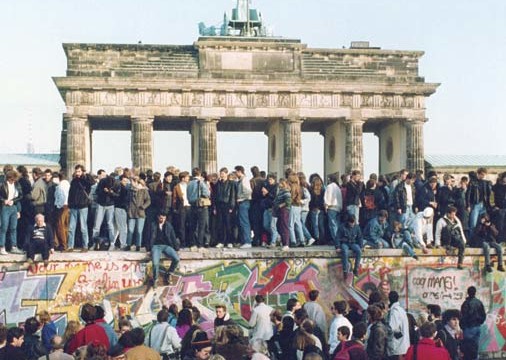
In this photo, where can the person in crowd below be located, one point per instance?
(281, 210)
(473, 316)
(222, 316)
(377, 231)
(106, 195)
(269, 191)
(300, 316)
(201, 347)
(182, 208)
(116, 353)
(164, 241)
(10, 198)
(13, 348)
(292, 305)
(338, 309)
(259, 350)
(333, 206)
(377, 340)
(61, 196)
(315, 311)
(421, 226)
(41, 241)
(188, 338)
(139, 351)
(401, 239)
(461, 203)
(350, 238)
(100, 320)
(434, 315)
(305, 341)
(124, 325)
(354, 190)
(173, 312)
(3, 341)
(39, 191)
(92, 332)
(260, 320)
(317, 208)
(449, 232)
(199, 198)
(243, 204)
(70, 332)
(397, 318)
(451, 334)
(485, 237)
(233, 344)
(256, 210)
(499, 190)
(163, 338)
(354, 348)
(79, 199)
(121, 201)
(426, 348)
(48, 330)
(56, 352)
(137, 205)
(404, 197)
(184, 322)
(224, 208)
(32, 345)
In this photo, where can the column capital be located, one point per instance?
(208, 119)
(142, 118)
(293, 120)
(416, 120)
(73, 117)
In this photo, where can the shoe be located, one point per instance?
(3, 252)
(488, 268)
(285, 248)
(415, 257)
(84, 250)
(301, 245)
(230, 246)
(355, 272)
(459, 266)
(29, 261)
(137, 248)
(126, 248)
(429, 246)
(219, 246)
(500, 268)
(271, 246)
(194, 248)
(16, 251)
(245, 246)
(68, 250)
(310, 242)
(46, 263)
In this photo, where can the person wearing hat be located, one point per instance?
(201, 347)
(421, 226)
(163, 240)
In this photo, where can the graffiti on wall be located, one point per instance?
(120, 285)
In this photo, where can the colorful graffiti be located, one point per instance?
(120, 285)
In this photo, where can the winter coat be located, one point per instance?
(398, 321)
(79, 193)
(139, 202)
(377, 341)
(473, 313)
(427, 350)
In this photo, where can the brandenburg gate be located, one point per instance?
(245, 83)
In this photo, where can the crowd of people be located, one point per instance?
(384, 331)
(131, 210)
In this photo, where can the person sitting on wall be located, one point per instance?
(401, 239)
(377, 231)
(40, 240)
(485, 236)
(421, 227)
(350, 238)
(450, 233)
(164, 241)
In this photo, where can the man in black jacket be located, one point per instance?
(473, 316)
(79, 199)
(106, 195)
(32, 345)
(224, 207)
(10, 197)
(40, 240)
(163, 241)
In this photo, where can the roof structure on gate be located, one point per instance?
(30, 159)
(441, 160)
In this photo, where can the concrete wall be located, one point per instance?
(117, 281)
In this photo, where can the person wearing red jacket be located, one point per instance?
(91, 333)
(427, 349)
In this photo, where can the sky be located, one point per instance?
(464, 43)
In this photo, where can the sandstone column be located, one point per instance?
(414, 145)
(208, 154)
(76, 147)
(292, 158)
(354, 145)
(142, 143)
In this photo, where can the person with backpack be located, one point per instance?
(450, 233)
(353, 349)
(163, 338)
(426, 348)
(473, 316)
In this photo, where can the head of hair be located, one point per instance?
(79, 166)
(434, 309)
(14, 333)
(3, 333)
(186, 304)
(300, 314)
(451, 314)
(287, 324)
(195, 314)
(100, 313)
(32, 325)
(221, 306)
(276, 315)
(374, 297)
(255, 171)
(88, 313)
(72, 328)
(290, 304)
(482, 171)
(124, 322)
(383, 214)
(333, 178)
(57, 342)
(428, 329)
(312, 356)
(172, 309)
(340, 306)
(375, 313)
(137, 336)
(22, 170)
(313, 295)
(183, 174)
(393, 297)
(224, 170)
(259, 298)
(162, 316)
(451, 209)
(196, 172)
(471, 291)
(344, 330)
(11, 175)
(44, 317)
(359, 330)
(184, 317)
(126, 339)
(239, 168)
(234, 332)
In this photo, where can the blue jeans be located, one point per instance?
(486, 252)
(270, 225)
(316, 220)
(156, 254)
(244, 225)
(333, 217)
(82, 214)
(471, 341)
(9, 217)
(303, 218)
(476, 211)
(354, 210)
(379, 243)
(296, 233)
(120, 217)
(406, 216)
(108, 213)
(345, 253)
(135, 226)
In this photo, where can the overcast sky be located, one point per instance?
(464, 43)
